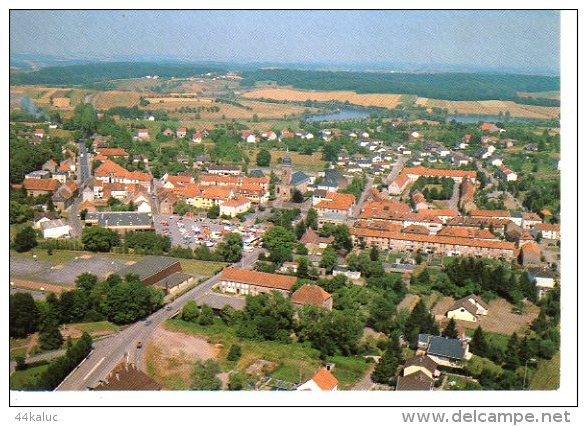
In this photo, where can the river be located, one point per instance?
(340, 115)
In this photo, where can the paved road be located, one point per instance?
(453, 202)
(364, 195)
(41, 357)
(397, 168)
(110, 351)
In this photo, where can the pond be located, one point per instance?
(340, 115)
(486, 118)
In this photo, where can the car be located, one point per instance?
(148, 322)
(139, 344)
(168, 308)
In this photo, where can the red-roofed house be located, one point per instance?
(181, 132)
(244, 281)
(323, 380)
(310, 294)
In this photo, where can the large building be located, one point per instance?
(448, 246)
(244, 282)
(153, 269)
(121, 222)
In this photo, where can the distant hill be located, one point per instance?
(448, 86)
(101, 72)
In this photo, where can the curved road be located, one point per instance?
(107, 353)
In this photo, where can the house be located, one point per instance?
(36, 187)
(422, 363)
(243, 282)
(530, 254)
(310, 294)
(235, 206)
(127, 377)
(419, 201)
(490, 127)
(351, 275)
(248, 137)
(38, 174)
(467, 309)
(289, 268)
(530, 220)
(496, 161)
(417, 381)
(224, 170)
(333, 181)
(39, 133)
(544, 280)
(65, 195)
(168, 132)
(181, 132)
(548, 231)
(336, 203)
(507, 174)
(315, 243)
(56, 228)
(197, 137)
(443, 350)
(50, 165)
(399, 184)
(143, 134)
(322, 380)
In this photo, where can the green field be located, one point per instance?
(499, 340)
(200, 267)
(547, 374)
(25, 379)
(99, 327)
(294, 360)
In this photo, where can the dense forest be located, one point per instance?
(92, 73)
(450, 86)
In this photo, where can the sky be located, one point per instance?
(518, 40)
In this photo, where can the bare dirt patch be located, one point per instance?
(501, 319)
(171, 356)
(408, 302)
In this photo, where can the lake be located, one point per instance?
(485, 118)
(342, 115)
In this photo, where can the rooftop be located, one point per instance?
(148, 266)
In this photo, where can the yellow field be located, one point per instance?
(491, 108)
(285, 94)
(553, 94)
(114, 98)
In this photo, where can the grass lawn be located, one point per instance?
(200, 267)
(477, 364)
(547, 374)
(293, 360)
(460, 382)
(499, 340)
(25, 379)
(57, 258)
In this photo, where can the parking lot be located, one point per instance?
(192, 232)
(65, 273)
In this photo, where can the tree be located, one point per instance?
(236, 381)
(25, 239)
(206, 315)
(234, 353)
(181, 207)
(450, 330)
(300, 229)
(96, 238)
(386, 369)
(49, 335)
(297, 196)
(479, 345)
(329, 259)
(342, 238)
(231, 248)
(374, 254)
(303, 267)
(24, 315)
(213, 212)
(278, 237)
(263, 158)
(312, 218)
(190, 311)
(204, 375)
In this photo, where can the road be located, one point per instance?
(107, 353)
(41, 357)
(397, 168)
(366, 192)
(453, 202)
(495, 183)
(83, 177)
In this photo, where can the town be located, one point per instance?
(216, 227)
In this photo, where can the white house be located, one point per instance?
(323, 380)
(467, 309)
(55, 229)
(235, 206)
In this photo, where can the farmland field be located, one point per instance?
(491, 108)
(313, 162)
(547, 375)
(110, 99)
(285, 94)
